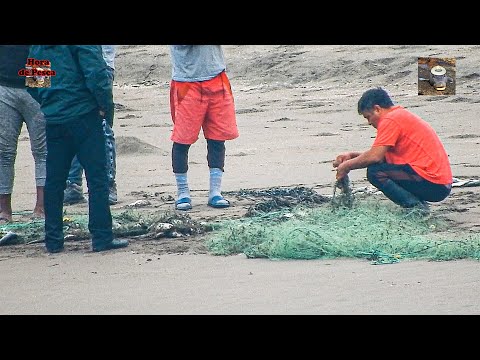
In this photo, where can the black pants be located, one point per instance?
(215, 156)
(402, 185)
(85, 138)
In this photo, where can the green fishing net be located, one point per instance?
(368, 229)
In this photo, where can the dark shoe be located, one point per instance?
(421, 209)
(73, 194)
(55, 249)
(115, 244)
(112, 194)
(9, 238)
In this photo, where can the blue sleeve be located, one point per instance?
(97, 79)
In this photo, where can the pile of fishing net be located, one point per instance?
(129, 223)
(342, 228)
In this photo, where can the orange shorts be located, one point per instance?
(203, 104)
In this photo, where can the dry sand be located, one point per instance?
(296, 109)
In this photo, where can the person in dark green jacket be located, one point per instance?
(74, 105)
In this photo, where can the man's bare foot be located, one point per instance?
(5, 218)
(38, 213)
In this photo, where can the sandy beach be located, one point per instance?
(296, 110)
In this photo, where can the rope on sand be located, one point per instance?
(465, 183)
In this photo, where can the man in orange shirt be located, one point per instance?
(407, 160)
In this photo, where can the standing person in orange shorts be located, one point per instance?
(407, 161)
(200, 98)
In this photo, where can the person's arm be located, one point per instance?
(344, 157)
(376, 154)
(96, 75)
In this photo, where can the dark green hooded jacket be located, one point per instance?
(81, 83)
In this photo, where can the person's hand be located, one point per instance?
(108, 116)
(340, 159)
(342, 171)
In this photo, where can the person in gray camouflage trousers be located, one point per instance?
(17, 107)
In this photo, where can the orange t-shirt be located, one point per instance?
(414, 142)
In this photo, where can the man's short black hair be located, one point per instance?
(372, 97)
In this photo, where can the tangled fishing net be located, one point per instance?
(290, 223)
(341, 228)
(129, 223)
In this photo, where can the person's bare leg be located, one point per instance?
(6, 207)
(39, 210)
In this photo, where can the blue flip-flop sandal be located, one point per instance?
(218, 202)
(183, 204)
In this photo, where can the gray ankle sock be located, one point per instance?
(182, 185)
(215, 182)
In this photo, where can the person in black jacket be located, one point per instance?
(75, 105)
(17, 107)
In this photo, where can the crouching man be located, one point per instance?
(407, 160)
